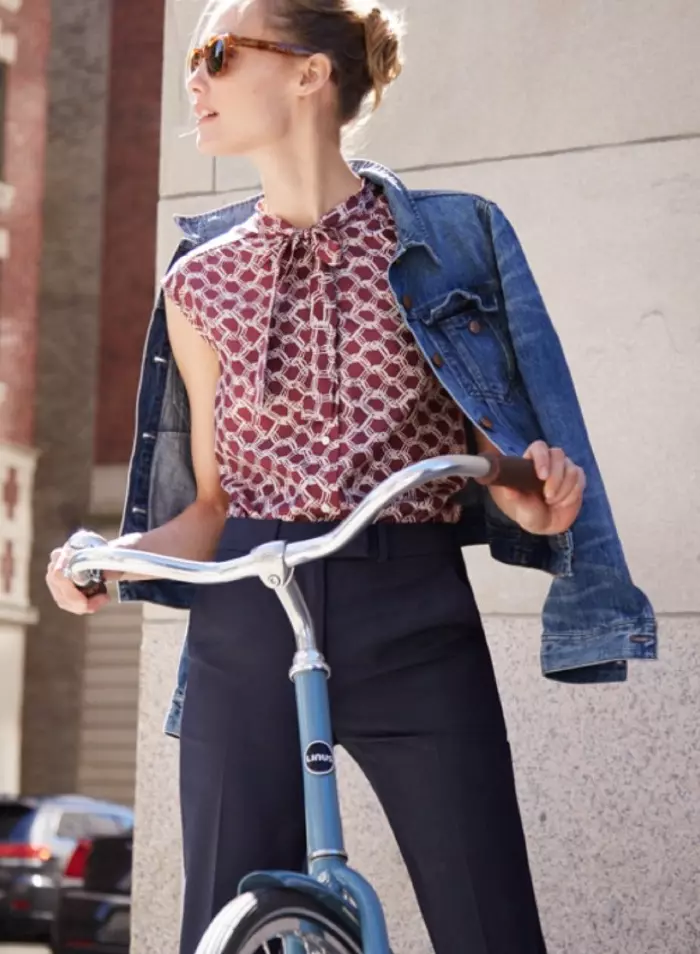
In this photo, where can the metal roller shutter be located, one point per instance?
(109, 712)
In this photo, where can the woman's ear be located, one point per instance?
(316, 73)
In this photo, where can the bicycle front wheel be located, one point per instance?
(278, 920)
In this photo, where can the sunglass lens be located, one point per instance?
(216, 56)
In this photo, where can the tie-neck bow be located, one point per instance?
(319, 250)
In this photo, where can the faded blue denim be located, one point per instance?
(458, 259)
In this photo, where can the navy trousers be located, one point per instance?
(413, 700)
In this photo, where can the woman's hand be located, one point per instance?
(564, 484)
(66, 594)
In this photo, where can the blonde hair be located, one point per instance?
(362, 39)
(383, 36)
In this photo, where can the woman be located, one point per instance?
(327, 334)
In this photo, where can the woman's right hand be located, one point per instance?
(65, 593)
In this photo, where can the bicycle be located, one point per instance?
(330, 909)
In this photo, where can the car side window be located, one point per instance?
(73, 825)
(99, 824)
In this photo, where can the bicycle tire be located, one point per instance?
(264, 917)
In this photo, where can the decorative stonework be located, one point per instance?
(16, 480)
(7, 568)
(7, 196)
(10, 492)
(8, 47)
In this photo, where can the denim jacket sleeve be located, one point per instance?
(594, 612)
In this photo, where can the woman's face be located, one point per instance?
(250, 106)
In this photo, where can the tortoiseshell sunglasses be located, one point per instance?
(220, 50)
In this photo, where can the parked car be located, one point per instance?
(38, 837)
(95, 915)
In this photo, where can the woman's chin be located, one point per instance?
(208, 145)
(213, 146)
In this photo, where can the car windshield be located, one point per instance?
(15, 822)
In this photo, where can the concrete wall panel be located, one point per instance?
(488, 80)
(182, 170)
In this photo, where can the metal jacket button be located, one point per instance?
(486, 423)
(474, 326)
(438, 360)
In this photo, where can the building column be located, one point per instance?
(24, 31)
(16, 612)
(66, 376)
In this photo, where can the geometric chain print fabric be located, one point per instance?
(323, 392)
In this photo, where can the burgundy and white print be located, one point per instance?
(323, 392)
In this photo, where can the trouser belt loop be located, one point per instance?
(381, 541)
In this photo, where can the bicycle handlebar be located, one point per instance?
(514, 472)
(486, 469)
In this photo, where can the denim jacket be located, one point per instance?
(458, 259)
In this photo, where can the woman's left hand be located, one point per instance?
(556, 510)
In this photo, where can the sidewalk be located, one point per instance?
(23, 949)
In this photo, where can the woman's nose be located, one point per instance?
(196, 81)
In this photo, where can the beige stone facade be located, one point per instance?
(582, 122)
(16, 612)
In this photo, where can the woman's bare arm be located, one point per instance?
(193, 534)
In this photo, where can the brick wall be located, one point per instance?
(23, 171)
(131, 198)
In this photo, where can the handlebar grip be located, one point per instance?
(93, 588)
(94, 584)
(514, 472)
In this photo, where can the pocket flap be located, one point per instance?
(462, 301)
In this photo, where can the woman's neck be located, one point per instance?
(301, 185)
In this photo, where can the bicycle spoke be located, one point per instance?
(305, 932)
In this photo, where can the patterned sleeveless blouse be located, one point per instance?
(323, 392)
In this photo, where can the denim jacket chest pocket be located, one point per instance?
(470, 323)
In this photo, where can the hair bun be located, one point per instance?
(383, 41)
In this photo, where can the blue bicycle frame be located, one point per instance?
(329, 877)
